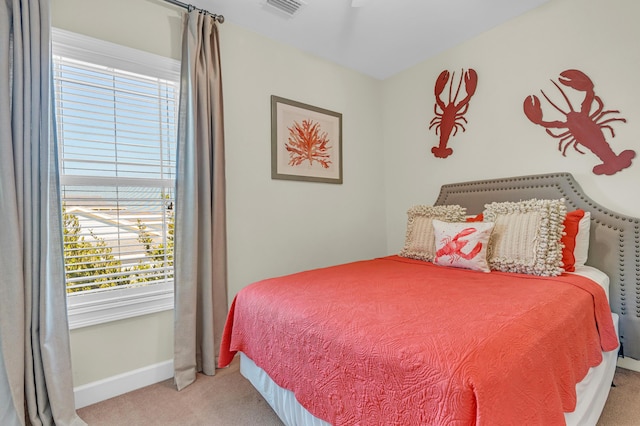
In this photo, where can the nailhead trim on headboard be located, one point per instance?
(614, 241)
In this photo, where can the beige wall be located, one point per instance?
(275, 227)
(117, 347)
(513, 61)
(150, 25)
(387, 161)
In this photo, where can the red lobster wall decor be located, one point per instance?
(450, 116)
(582, 127)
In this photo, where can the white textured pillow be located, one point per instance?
(419, 242)
(526, 236)
(581, 251)
(462, 244)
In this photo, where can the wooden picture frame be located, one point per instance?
(306, 142)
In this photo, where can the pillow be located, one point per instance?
(581, 251)
(419, 242)
(476, 218)
(526, 236)
(571, 224)
(462, 244)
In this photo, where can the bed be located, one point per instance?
(401, 340)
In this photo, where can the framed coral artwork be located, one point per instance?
(306, 142)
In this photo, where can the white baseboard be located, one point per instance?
(122, 383)
(629, 364)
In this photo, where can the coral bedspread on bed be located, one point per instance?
(395, 341)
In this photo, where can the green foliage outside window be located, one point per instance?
(89, 260)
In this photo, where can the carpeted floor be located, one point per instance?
(623, 406)
(225, 399)
(228, 399)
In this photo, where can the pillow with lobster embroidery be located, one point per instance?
(462, 244)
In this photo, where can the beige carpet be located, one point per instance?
(225, 399)
(228, 399)
(623, 406)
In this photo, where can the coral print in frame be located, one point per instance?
(306, 142)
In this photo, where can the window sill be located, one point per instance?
(93, 308)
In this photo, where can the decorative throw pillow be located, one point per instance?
(476, 218)
(581, 251)
(526, 236)
(462, 244)
(419, 242)
(571, 226)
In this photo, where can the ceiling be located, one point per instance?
(380, 37)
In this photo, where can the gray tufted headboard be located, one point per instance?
(614, 241)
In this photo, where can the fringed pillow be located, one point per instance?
(419, 242)
(527, 236)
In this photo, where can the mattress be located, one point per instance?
(595, 275)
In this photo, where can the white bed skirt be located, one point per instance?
(592, 393)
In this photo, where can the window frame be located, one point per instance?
(95, 307)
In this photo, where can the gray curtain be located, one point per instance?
(200, 227)
(36, 382)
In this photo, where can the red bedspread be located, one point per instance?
(395, 341)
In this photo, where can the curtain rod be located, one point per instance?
(190, 7)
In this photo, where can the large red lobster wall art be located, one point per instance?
(582, 127)
(450, 115)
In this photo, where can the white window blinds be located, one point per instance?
(116, 124)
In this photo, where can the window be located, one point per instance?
(116, 114)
